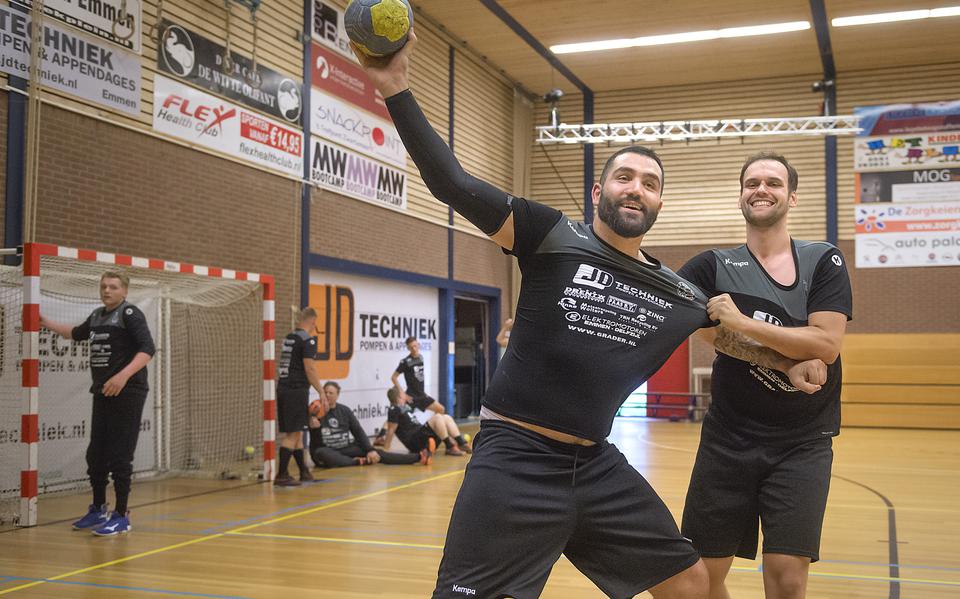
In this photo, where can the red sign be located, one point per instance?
(338, 76)
(267, 133)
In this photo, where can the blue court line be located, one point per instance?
(399, 483)
(126, 588)
(886, 565)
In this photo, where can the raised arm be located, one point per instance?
(487, 207)
(64, 330)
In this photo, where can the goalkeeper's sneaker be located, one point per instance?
(119, 524)
(96, 516)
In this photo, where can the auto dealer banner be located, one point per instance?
(65, 400)
(206, 120)
(361, 327)
(72, 62)
(907, 163)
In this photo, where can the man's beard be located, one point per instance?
(609, 213)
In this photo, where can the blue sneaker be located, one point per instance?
(117, 525)
(96, 516)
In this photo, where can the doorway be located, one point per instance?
(471, 326)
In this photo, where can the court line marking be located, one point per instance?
(755, 570)
(238, 530)
(128, 588)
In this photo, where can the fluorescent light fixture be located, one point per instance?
(891, 17)
(680, 38)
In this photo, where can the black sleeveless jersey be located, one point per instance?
(592, 325)
(756, 400)
(116, 337)
(296, 346)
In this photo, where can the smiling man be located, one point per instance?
(596, 316)
(766, 450)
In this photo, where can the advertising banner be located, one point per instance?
(362, 325)
(357, 176)
(200, 118)
(72, 62)
(907, 163)
(200, 62)
(117, 21)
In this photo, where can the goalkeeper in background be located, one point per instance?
(120, 348)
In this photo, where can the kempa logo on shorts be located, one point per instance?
(464, 590)
(592, 277)
(622, 304)
(758, 315)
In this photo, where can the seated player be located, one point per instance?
(338, 440)
(416, 436)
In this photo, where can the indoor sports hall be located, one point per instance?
(225, 164)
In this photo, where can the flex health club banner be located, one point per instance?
(72, 62)
(117, 21)
(65, 399)
(907, 163)
(200, 62)
(205, 120)
(362, 325)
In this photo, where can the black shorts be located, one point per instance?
(526, 499)
(422, 402)
(418, 440)
(738, 482)
(292, 409)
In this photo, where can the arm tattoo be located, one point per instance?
(744, 348)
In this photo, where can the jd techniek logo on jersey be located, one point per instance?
(592, 277)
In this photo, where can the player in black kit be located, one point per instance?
(295, 375)
(120, 348)
(337, 439)
(766, 454)
(411, 367)
(596, 316)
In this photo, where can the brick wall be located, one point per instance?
(4, 97)
(108, 188)
(479, 260)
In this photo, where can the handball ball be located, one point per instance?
(317, 409)
(378, 27)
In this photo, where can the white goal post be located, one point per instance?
(212, 404)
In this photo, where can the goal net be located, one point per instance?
(204, 416)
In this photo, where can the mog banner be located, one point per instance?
(117, 21)
(72, 62)
(65, 399)
(350, 174)
(200, 118)
(200, 62)
(362, 324)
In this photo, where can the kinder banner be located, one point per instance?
(343, 123)
(65, 399)
(907, 162)
(117, 21)
(200, 62)
(200, 118)
(362, 324)
(72, 62)
(351, 174)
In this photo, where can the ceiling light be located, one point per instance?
(679, 38)
(891, 17)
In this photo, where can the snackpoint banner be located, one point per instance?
(907, 163)
(361, 327)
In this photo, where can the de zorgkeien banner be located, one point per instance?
(907, 164)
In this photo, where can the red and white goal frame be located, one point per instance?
(30, 359)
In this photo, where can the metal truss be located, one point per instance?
(695, 130)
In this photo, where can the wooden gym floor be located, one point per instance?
(891, 526)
